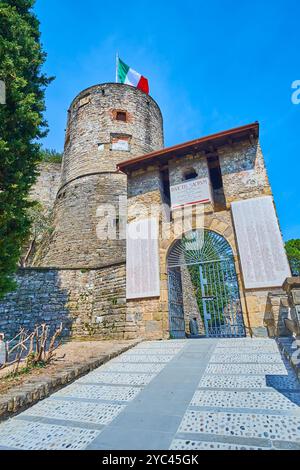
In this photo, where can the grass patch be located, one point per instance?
(51, 156)
(24, 371)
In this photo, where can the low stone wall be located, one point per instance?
(87, 302)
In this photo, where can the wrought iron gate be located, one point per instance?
(209, 261)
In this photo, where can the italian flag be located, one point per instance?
(130, 77)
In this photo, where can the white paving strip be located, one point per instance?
(232, 381)
(117, 378)
(238, 358)
(132, 367)
(263, 426)
(246, 343)
(250, 399)
(102, 392)
(180, 444)
(247, 369)
(249, 382)
(254, 349)
(147, 358)
(154, 351)
(38, 436)
(95, 413)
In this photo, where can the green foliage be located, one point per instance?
(51, 156)
(30, 366)
(21, 126)
(293, 252)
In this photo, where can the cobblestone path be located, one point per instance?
(189, 394)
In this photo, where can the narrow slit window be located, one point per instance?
(165, 184)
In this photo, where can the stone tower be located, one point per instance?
(107, 124)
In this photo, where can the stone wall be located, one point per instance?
(47, 185)
(87, 302)
(178, 167)
(77, 224)
(109, 307)
(243, 171)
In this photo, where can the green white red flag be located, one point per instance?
(127, 75)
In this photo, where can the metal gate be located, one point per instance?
(208, 259)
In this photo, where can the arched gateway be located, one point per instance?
(203, 287)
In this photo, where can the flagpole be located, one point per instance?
(117, 64)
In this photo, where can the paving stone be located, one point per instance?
(248, 350)
(146, 358)
(144, 368)
(232, 381)
(246, 358)
(154, 351)
(71, 411)
(247, 369)
(181, 444)
(99, 392)
(264, 426)
(117, 378)
(36, 436)
(245, 342)
(244, 382)
(248, 399)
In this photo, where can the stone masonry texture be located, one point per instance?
(47, 185)
(89, 177)
(87, 302)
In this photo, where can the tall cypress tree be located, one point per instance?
(21, 126)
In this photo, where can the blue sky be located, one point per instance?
(211, 65)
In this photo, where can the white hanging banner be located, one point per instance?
(142, 260)
(196, 191)
(263, 257)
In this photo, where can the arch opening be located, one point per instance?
(204, 298)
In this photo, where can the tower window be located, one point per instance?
(121, 116)
(120, 142)
(190, 174)
(84, 101)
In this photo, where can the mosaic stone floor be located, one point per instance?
(204, 394)
(247, 398)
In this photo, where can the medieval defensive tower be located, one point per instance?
(107, 124)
